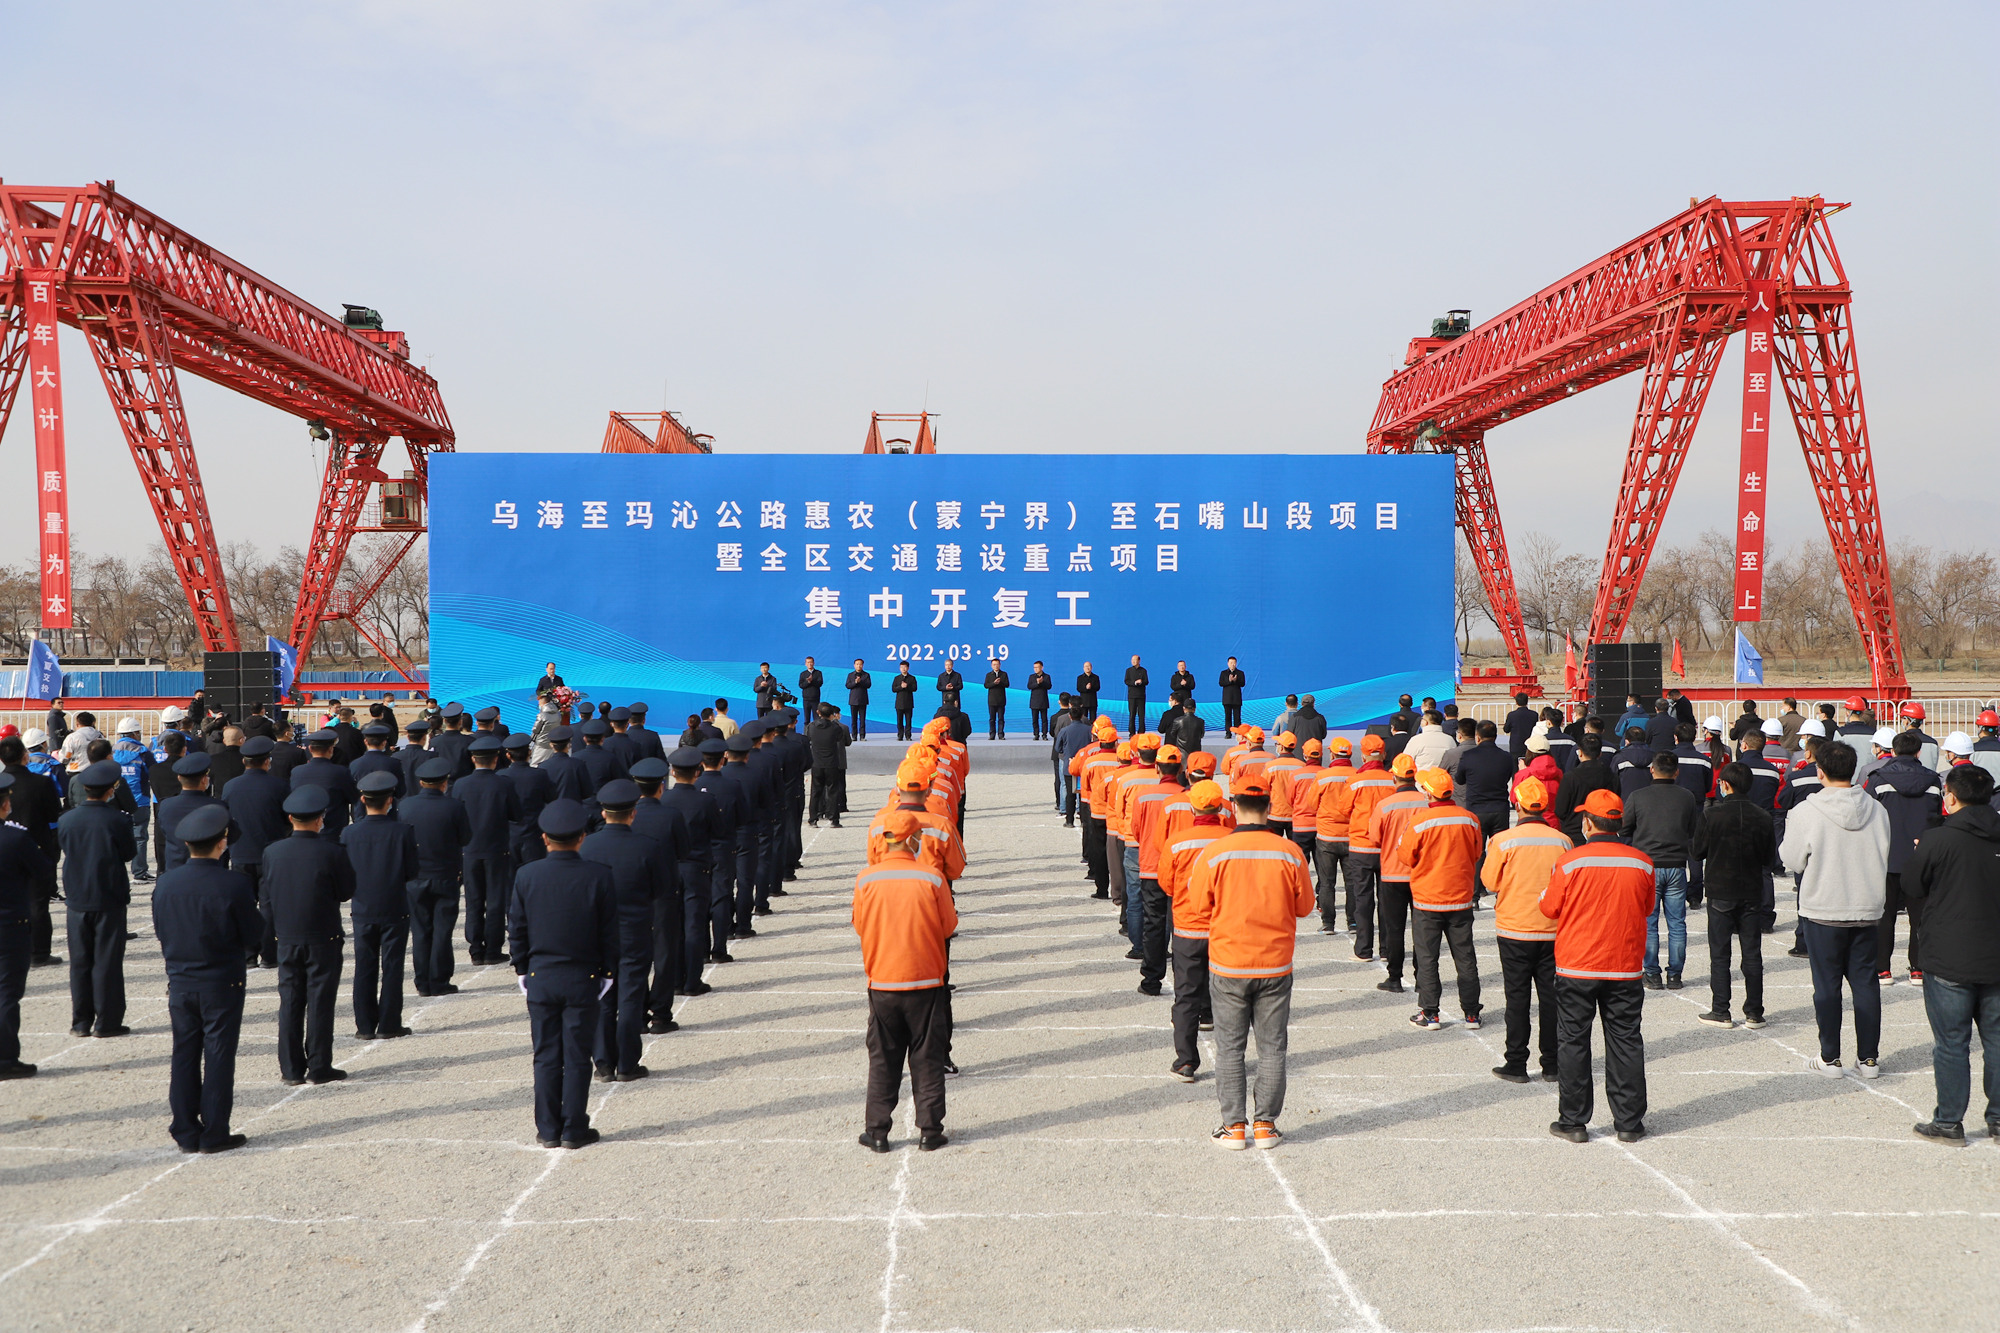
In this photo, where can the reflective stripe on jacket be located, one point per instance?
(1253, 887)
(904, 914)
(1599, 895)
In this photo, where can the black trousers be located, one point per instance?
(14, 955)
(1190, 999)
(562, 1018)
(1429, 932)
(788, 829)
(769, 871)
(97, 968)
(669, 944)
(721, 897)
(433, 912)
(1038, 721)
(1885, 929)
(746, 873)
(1307, 839)
(1742, 924)
(201, 1085)
(41, 921)
(1392, 914)
(1330, 858)
(378, 974)
(912, 1026)
(1232, 715)
(1618, 1004)
(1094, 855)
(1528, 976)
(489, 878)
(904, 729)
(826, 794)
(266, 953)
(308, 986)
(1491, 822)
(1363, 872)
(697, 878)
(1156, 923)
(621, 1015)
(996, 722)
(1135, 713)
(857, 721)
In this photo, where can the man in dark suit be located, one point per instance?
(192, 772)
(205, 916)
(97, 845)
(533, 790)
(904, 689)
(225, 761)
(377, 758)
(621, 741)
(665, 827)
(997, 685)
(569, 775)
(492, 806)
(1039, 683)
(811, 680)
(701, 815)
(1136, 681)
(1087, 688)
(326, 771)
(451, 741)
(443, 830)
(642, 874)
(950, 683)
(37, 805)
(307, 877)
(649, 743)
(562, 935)
(859, 682)
(1232, 682)
(22, 870)
(383, 851)
(256, 801)
(413, 755)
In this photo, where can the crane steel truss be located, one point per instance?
(154, 301)
(1666, 303)
(628, 433)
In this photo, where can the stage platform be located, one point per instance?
(881, 752)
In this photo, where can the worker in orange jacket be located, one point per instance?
(1441, 846)
(1330, 832)
(904, 914)
(1599, 895)
(1191, 1003)
(1089, 765)
(942, 850)
(1236, 751)
(1252, 759)
(1519, 861)
(1148, 806)
(1253, 887)
(1304, 785)
(1356, 802)
(1386, 823)
(1125, 866)
(1178, 813)
(1278, 773)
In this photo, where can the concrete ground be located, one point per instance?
(1080, 1191)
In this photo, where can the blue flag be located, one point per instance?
(44, 679)
(1749, 662)
(288, 662)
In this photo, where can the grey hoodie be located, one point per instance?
(1838, 842)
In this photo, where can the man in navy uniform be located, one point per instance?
(23, 871)
(767, 770)
(192, 771)
(443, 830)
(647, 741)
(325, 771)
(562, 935)
(653, 819)
(793, 745)
(451, 742)
(206, 918)
(97, 846)
(414, 756)
(703, 818)
(488, 720)
(383, 851)
(755, 785)
(603, 763)
(308, 877)
(376, 758)
(569, 775)
(534, 790)
(256, 801)
(642, 873)
(492, 804)
(37, 801)
(903, 688)
(621, 741)
(733, 810)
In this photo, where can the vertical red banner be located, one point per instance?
(51, 472)
(1752, 478)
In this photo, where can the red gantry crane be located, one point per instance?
(154, 301)
(1665, 303)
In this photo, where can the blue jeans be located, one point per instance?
(1670, 891)
(1135, 908)
(1953, 1010)
(1837, 955)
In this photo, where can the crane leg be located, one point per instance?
(341, 495)
(13, 358)
(1479, 520)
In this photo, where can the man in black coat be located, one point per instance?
(443, 830)
(996, 700)
(492, 808)
(97, 846)
(827, 742)
(567, 774)
(225, 760)
(764, 689)
(377, 758)
(603, 762)
(1913, 796)
(1039, 683)
(1180, 685)
(1520, 725)
(652, 819)
(383, 851)
(750, 834)
(326, 771)
(1136, 681)
(259, 723)
(452, 741)
(647, 741)
(1088, 686)
(859, 682)
(1735, 841)
(1660, 820)
(620, 742)
(1633, 765)
(347, 742)
(307, 877)
(562, 935)
(286, 757)
(533, 790)
(768, 761)
(702, 818)
(903, 687)
(414, 755)
(1485, 772)
(642, 874)
(37, 805)
(256, 801)
(22, 870)
(205, 917)
(1232, 681)
(950, 683)
(734, 809)
(811, 681)
(1590, 774)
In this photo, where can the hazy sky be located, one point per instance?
(1112, 227)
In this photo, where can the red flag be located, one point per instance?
(1680, 664)
(1570, 674)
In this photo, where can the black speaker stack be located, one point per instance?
(1614, 670)
(232, 682)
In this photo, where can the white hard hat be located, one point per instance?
(34, 736)
(1773, 727)
(1814, 728)
(1885, 737)
(130, 724)
(1712, 723)
(1957, 743)
(172, 713)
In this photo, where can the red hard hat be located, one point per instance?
(1912, 710)
(1857, 703)
(9, 730)
(1989, 718)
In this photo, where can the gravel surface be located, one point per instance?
(1080, 1191)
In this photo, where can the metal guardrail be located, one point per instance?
(1941, 716)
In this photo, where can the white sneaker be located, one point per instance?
(1868, 1068)
(1824, 1068)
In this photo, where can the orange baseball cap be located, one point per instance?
(1373, 744)
(1404, 766)
(1205, 795)
(1125, 750)
(1434, 782)
(899, 826)
(1340, 745)
(1286, 740)
(910, 776)
(1313, 746)
(1253, 734)
(1532, 795)
(1169, 754)
(1104, 720)
(1146, 740)
(1201, 761)
(1253, 784)
(1604, 804)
